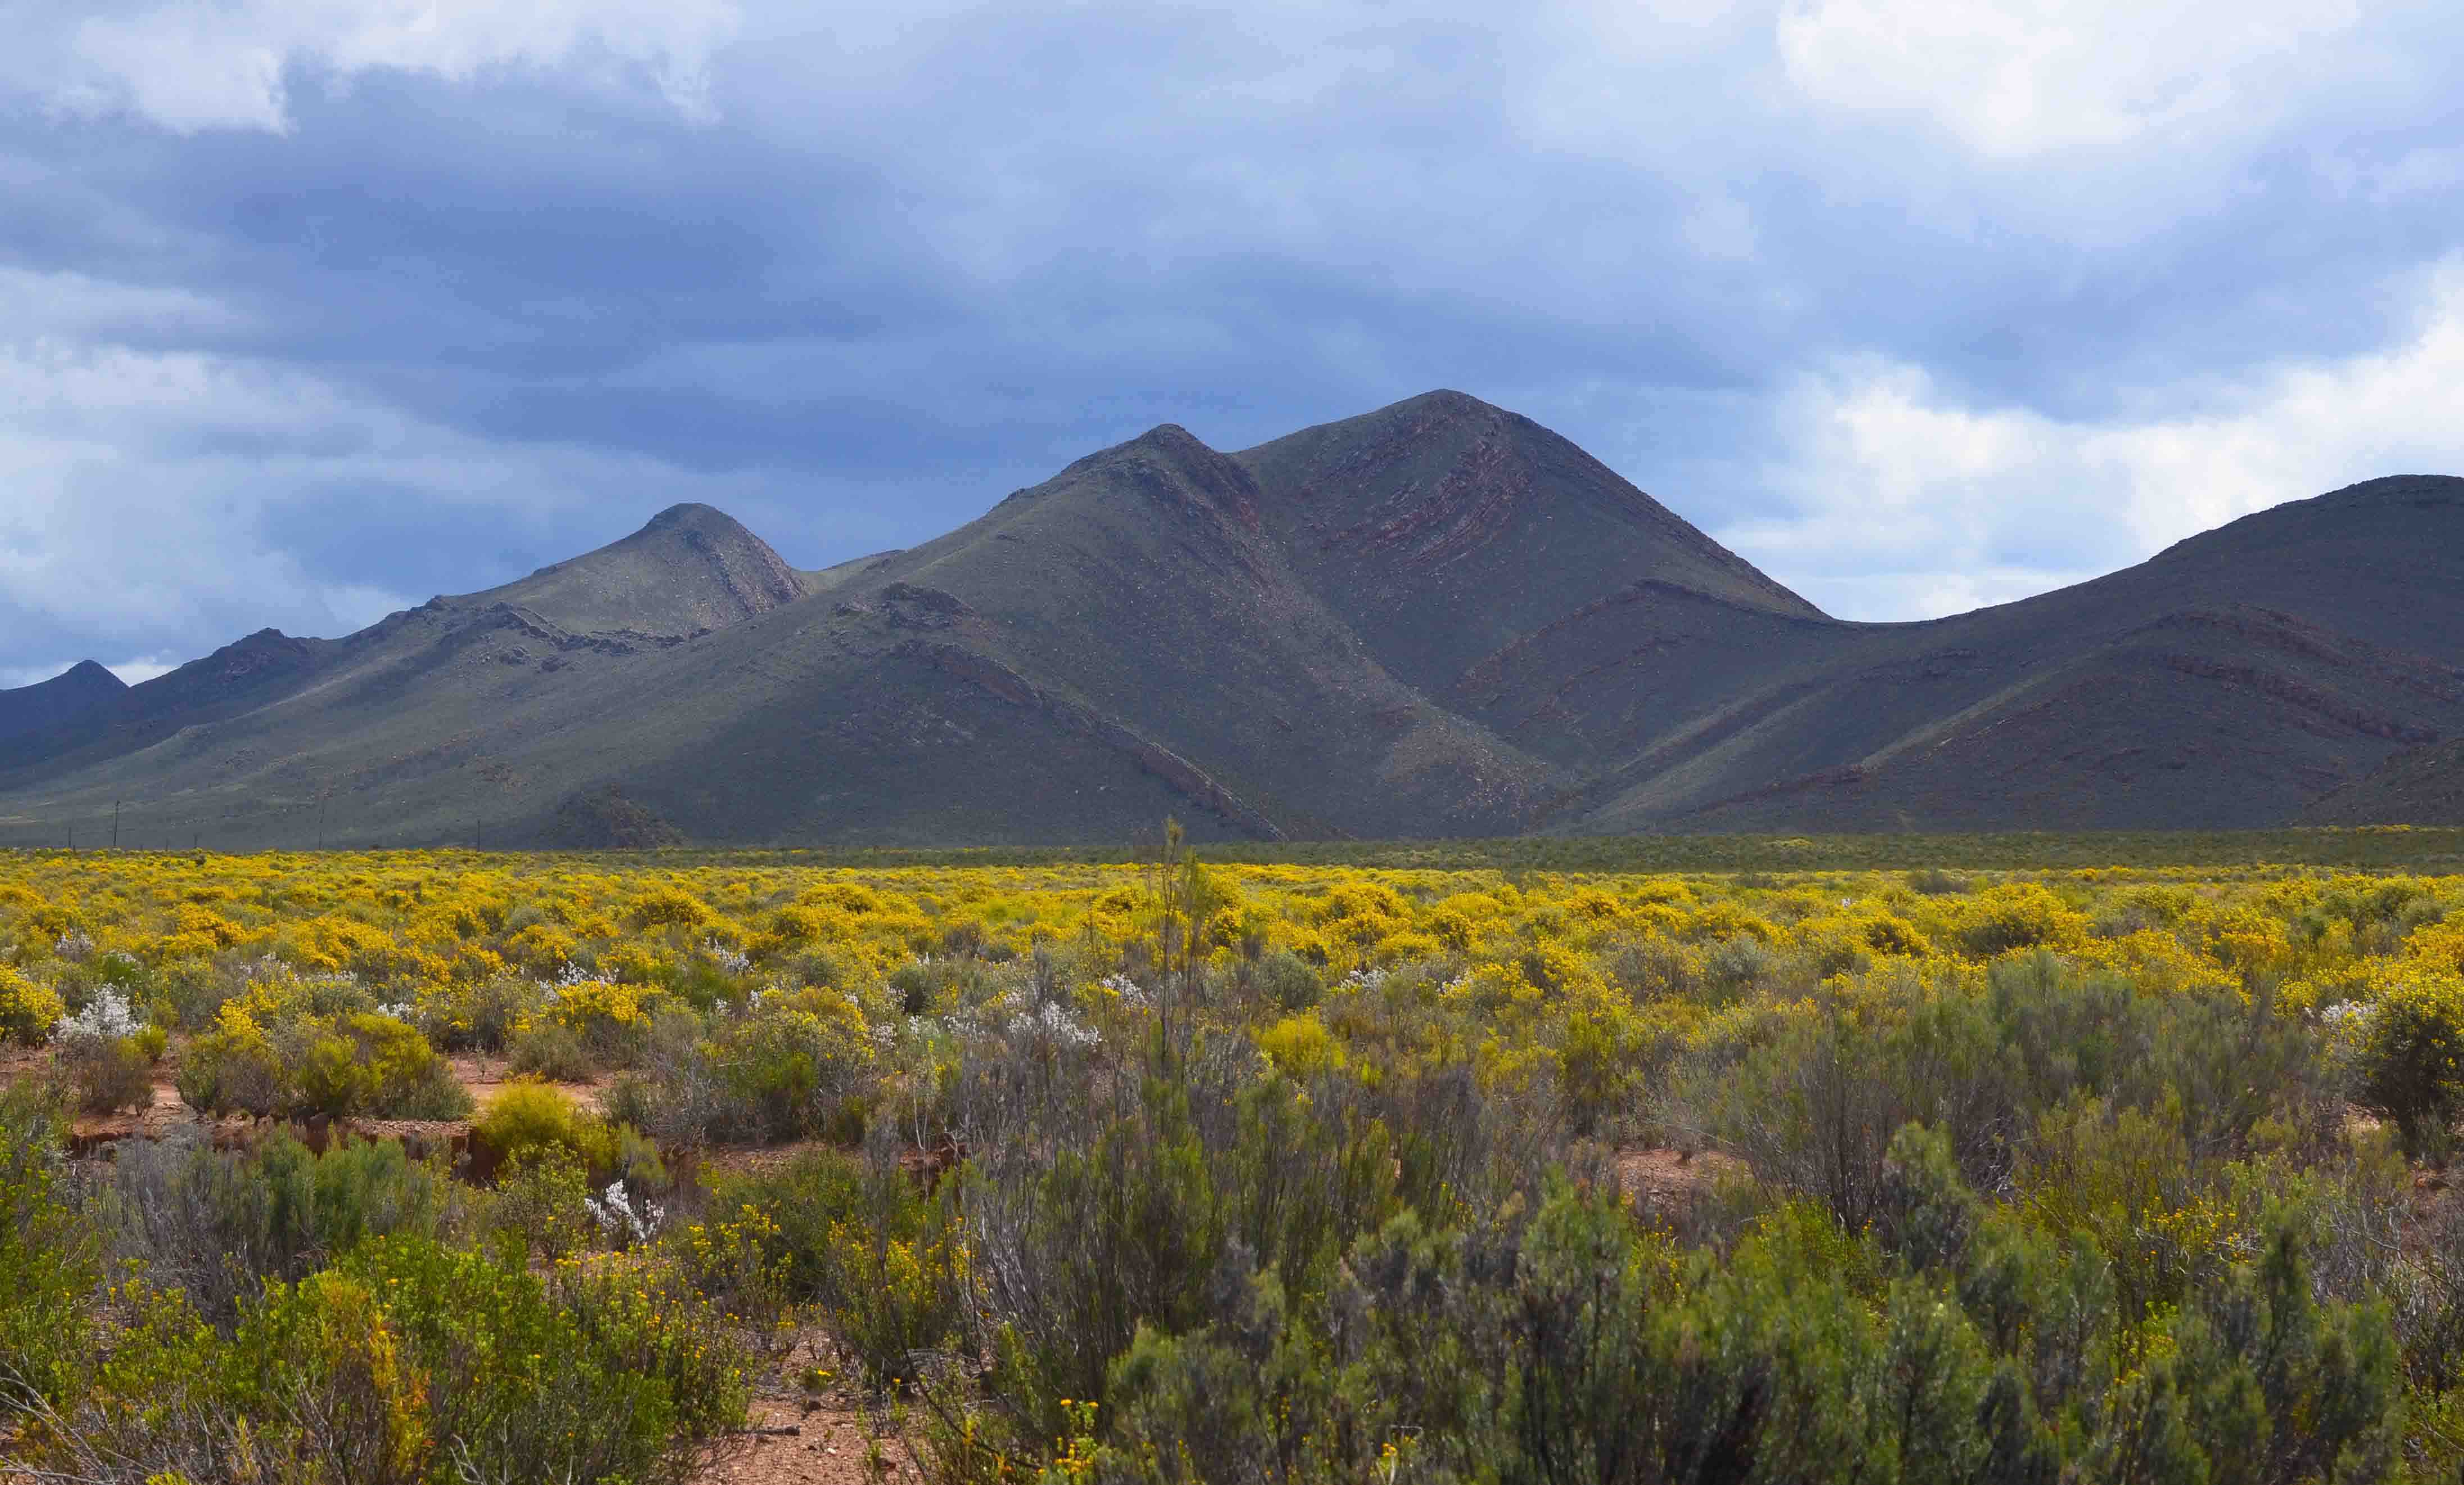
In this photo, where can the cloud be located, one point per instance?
(313, 308)
(161, 503)
(224, 64)
(2027, 76)
(1907, 504)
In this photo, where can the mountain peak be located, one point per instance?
(691, 515)
(1448, 400)
(92, 674)
(688, 569)
(47, 702)
(1167, 441)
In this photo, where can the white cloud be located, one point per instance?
(1910, 505)
(136, 483)
(205, 64)
(2018, 77)
(134, 671)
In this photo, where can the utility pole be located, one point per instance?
(115, 825)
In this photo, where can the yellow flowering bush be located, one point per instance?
(28, 1010)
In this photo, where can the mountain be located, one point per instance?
(1437, 618)
(48, 703)
(2226, 682)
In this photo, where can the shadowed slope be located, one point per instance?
(48, 703)
(1444, 530)
(2422, 785)
(2229, 681)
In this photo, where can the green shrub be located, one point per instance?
(354, 1063)
(49, 1261)
(411, 1362)
(541, 1200)
(190, 991)
(235, 1071)
(552, 1051)
(476, 1016)
(796, 1065)
(219, 1224)
(2412, 1057)
(529, 1118)
(783, 1071)
(105, 1074)
(1289, 981)
(612, 1371)
(370, 1064)
(321, 1364)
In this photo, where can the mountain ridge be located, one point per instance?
(1435, 618)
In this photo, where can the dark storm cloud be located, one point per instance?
(414, 323)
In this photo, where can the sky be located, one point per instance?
(311, 310)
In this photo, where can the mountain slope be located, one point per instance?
(2421, 785)
(2227, 682)
(81, 687)
(1443, 530)
(1437, 618)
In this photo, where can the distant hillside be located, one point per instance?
(1435, 619)
(2422, 785)
(79, 688)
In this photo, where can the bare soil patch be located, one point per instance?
(1660, 1177)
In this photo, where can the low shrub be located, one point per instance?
(414, 1362)
(219, 1224)
(354, 1063)
(551, 1051)
(49, 1260)
(613, 1018)
(104, 1075)
(541, 1203)
(882, 1261)
(530, 1117)
(28, 1008)
(477, 1015)
(1288, 981)
(2412, 1057)
(602, 1371)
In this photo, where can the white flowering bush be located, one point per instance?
(107, 1053)
(1126, 989)
(1053, 1024)
(734, 961)
(627, 1221)
(107, 1017)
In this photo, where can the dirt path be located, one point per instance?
(799, 1436)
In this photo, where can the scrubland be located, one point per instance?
(1228, 1172)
